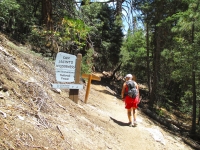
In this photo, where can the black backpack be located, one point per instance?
(132, 91)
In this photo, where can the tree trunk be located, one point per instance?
(193, 130)
(119, 7)
(158, 44)
(47, 14)
(148, 62)
(156, 67)
(115, 70)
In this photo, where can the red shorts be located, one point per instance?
(131, 102)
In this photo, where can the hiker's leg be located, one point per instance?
(129, 115)
(134, 114)
(135, 117)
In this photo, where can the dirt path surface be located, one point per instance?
(146, 136)
(33, 116)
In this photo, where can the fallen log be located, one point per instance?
(169, 123)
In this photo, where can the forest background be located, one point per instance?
(163, 54)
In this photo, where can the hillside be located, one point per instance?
(34, 116)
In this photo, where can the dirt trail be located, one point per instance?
(146, 136)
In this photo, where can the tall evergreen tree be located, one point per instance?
(106, 35)
(133, 54)
(188, 41)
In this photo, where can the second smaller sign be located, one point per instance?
(67, 86)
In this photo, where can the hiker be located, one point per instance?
(130, 103)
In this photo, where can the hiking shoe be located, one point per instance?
(130, 124)
(135, 123)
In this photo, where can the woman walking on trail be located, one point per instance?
(130, 103)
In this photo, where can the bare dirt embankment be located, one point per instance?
(35, 116)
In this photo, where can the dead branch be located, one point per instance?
(40, 147)
(30, 136)
(60, 106)
(5, 126)
(68, 143)
(62, 136)
(191, 142)
(40, 103)
(29, 67)
(15, 68)
(172, 125)
(4, 51)
(76, 131)
(42, 121)
(56, 90)
(4, 114)
(18, 95)
(111, 91)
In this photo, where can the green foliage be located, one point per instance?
(86, 2)
(71, 31)
(159, 112)
(185, 107)
(8, 14)
(93, 26)
(8, 9)
(106, 34)
(133, 54)
(87, 62)
(182, 58)
(16, 18)
(37, 36)
(74, 30)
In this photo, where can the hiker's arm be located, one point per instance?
(138, 91)
(123, 90)
(137, 86)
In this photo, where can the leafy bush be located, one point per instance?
(87, 62)
(8, 11)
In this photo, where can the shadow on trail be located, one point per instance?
(119, 122)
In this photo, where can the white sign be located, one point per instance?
(65, 61)
(65, 65)
(67, 86)
(65, 75)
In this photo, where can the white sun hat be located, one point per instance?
(129, 76)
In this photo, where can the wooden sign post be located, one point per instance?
(73, 93)
(90, 77)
